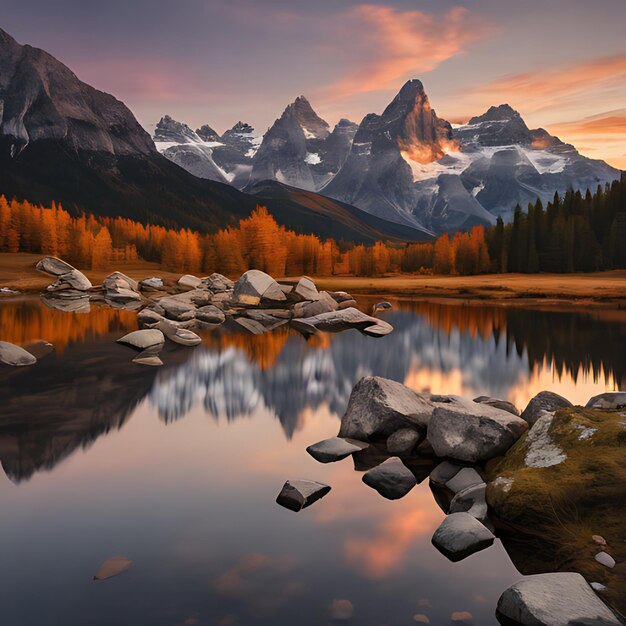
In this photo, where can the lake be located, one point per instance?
(178, 468)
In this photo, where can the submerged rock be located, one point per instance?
(10, 354)
(148, 357)
(379, 407)
(460, 535)
(558, 599)
(392, 479)
(543, 401)
(338, 321)
(335, 449)
(181, 336)
(471, 432)
(143, 339)
(404, 442)
(298, 494)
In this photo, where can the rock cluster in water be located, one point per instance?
(401, 437)
(256, 302)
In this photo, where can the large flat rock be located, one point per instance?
(460, 535)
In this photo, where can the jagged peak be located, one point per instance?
(500, 113)
(242, 127)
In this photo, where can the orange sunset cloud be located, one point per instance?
(398, 44)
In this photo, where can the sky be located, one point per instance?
(560, 63)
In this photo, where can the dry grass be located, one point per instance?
(17, 271)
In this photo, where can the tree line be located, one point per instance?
(572, 233)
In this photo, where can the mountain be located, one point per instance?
(409, 166)
(300, 150)
(63, 140)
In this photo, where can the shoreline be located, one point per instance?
(605, 290)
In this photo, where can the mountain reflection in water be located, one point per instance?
(89, 386)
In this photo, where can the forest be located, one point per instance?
(573, 233)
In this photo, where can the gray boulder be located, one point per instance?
(465, 478)
(379, 407)
(505, 405)
(179, 309)
(306, 289)
(404, 441)
(181, 336)
(558, 599)
(338, 321)
(53, 265)
(115, 281)
(148, 318)
(218, 283)
(254, 286)
(10, 354)
(392, 479)
(143, 339)
(151, 284)
(323, 303)
(471, 432)
(298, 494)
(335, 449)
(71, 284)
(473, 501)
(210, 314)
(460, 535)
(543, 401)
(188, 281)
(444, 472)
(609, 400)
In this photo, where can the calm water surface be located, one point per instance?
(178, 467)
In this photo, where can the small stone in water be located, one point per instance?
(420, 618)
(298, 494)
(599, 539)
(598, 587)
(605, 559)
(461, 616)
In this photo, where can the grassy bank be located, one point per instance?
(17, 271)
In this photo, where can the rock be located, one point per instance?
(181, 336)
(222, 299)
(379, 407)
(324, 303)
(258, 322)
(148, 357)
(10, 354)
(558, 599)
(462, 617)
(604, 558)
(598, 586)
(340, 296)
(39, 349)
(189, 282)
(117, 280)
(466, 478)
(420, 618)
(143, 339)
(543, 401)
(347, 304)
(255, 285)
(381, 306)
(541, 451)
(392, 479)
(460, 535)
(444, 472)
(218, 283)
(471, 500)
(74, 283)
(53, 265)
(471, 432)
(210, 314)
(505, 405)
(177, 308)
(338, 321)
(306, 289)
(601, 541)
(404, 441)
(341, 611)
(609, 400)
(147, 318)
(335, 449)
(298, 494)
(151, 284)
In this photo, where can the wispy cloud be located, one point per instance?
(561, 85)
(609, 123)
(389, 45)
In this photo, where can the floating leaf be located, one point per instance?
(112, 567)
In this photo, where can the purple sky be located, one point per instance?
(561, 63)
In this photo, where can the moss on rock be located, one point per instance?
(560, 484)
